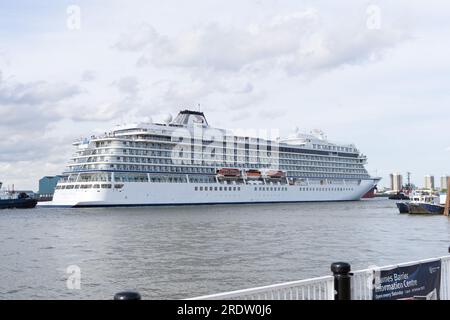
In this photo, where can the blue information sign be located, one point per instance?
(418, 281)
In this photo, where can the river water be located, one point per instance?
(182, 252)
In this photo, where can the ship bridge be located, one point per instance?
(189, 118)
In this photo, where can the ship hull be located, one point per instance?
(403, 207)
(18, 203)
(172, 194)
(425, 208)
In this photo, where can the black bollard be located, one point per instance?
(342, 277)
(127, 295)
(448, 249)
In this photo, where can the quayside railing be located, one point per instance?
(357, 285)
(311, 289)
(427, 279)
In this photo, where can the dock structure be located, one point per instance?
(364, 284)
(447, 200)
(427, 279)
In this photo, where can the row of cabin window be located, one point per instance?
(89, 186)
(271, 188)
(326, 189)
(230, 139)
(321, 169)
(315, 164)
(206, 170)
(217, 188)
(205, 143)
(100, 156)
(324, 167)
(361, 173)
(328, 175)
(291, 165)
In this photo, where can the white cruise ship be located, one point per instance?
(184, 161)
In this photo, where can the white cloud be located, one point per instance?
(105, 111)
(266, 64)
(36, 104)
(88, 76)
(128, 85)
(35, 92)
(137, 39)
(4, 59)
(297, 43)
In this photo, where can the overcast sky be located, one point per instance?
(375, 74)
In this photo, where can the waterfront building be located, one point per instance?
(396, 181)
(444, 182)
(47, 185)
(429, 182)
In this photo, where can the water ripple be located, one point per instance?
(183, 252)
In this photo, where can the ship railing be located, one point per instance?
(311, 289)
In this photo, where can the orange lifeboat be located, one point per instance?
(228, 173)
(275, 174)
(253, 174)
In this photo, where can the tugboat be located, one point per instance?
(427, 205)
(421, 203)
(12, 199)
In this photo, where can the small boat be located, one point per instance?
(421, 203)
(228, 173)
(13, 199)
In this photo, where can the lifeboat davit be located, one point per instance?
(228, 173)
